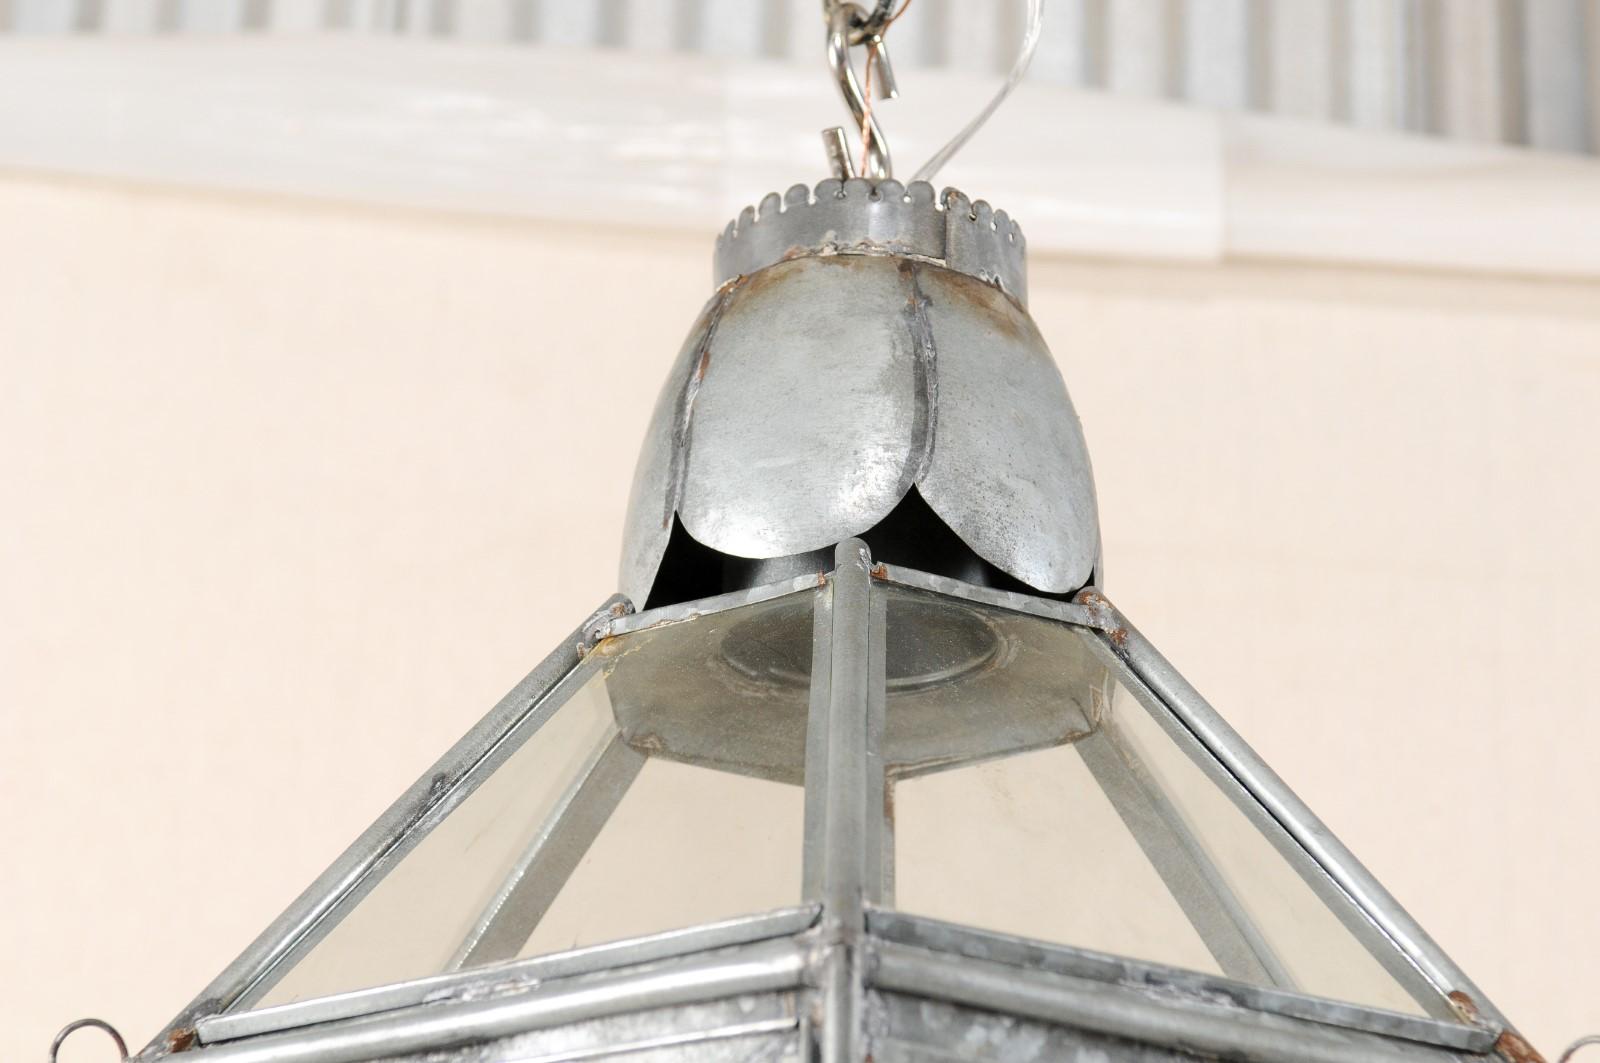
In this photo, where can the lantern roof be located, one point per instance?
(874, 813)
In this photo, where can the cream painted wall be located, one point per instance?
(293, 493)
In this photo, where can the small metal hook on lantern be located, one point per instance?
(79, 1024)
(1582, 1042)
(850, 25)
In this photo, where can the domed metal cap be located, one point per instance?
(866, 342)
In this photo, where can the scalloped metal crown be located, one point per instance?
(858, 216)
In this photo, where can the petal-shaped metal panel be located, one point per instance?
(814, 393)
(808, 425)
(1009, 471)
(653, 498)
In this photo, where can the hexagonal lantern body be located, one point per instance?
(877, 773)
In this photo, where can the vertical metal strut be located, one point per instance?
(844, 858)
(1349, 890)
(532, 884)
(1193, 879)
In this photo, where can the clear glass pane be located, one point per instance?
(686, 846)
(665, 792)
(1035, 794)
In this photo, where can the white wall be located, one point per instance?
(294, 492)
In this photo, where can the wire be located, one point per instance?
(1030, 42)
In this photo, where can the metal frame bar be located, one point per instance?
(532, 884)
(675, 614)
(1044, 608)
(1139, 1015)
(1275, 797)
(844, 834)
(1181, 860)
(730, 1032)
(922, 932)
(1384, 949)
(478, 982)
(357, 869)
(764, 967)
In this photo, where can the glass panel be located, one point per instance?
(665, 792)
(686, 846)
(1035, 794)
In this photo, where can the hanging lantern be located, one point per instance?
(862, 763)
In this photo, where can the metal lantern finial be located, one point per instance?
(867, 367)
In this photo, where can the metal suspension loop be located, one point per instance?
(79, 1024)
(850, 25)
(1582, 1042)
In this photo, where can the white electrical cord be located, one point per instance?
(1030, 41)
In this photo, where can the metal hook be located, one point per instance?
(849, 25)
(1572, 1049)
(55, 1046)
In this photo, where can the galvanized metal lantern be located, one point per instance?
(875, 771)
(861, 764)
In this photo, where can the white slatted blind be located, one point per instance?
(1517, 71)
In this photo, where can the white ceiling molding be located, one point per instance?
(1520, 73)
(685, 141)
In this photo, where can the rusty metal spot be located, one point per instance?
(1464, 1005)
(879, 571)
(1104, 614)
(752, 285)
(1513, 1047)
(986, 302)
(648, 742)
(182, 1039)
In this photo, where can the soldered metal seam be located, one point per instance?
(925, 382)
(682, 427)
(869, 249)
(1510, 1045)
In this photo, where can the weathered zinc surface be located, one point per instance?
(874, 340)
